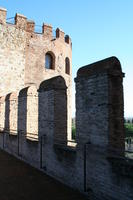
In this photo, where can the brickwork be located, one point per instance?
(35, 119)
(100, 131)
(52, 94)
(22, 59)
(96, 165)
(102, 106)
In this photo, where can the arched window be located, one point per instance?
(49, 61)
(67, 65)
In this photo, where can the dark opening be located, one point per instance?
(49, 61)
(67, 66)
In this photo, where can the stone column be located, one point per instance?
(53, 110)
(99, 105)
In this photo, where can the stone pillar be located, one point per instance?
(99, 105)
(13, 114)
(22, 111)
(32, 113)
(2, 113)
(28, 113)
(53, 110)
(30, 26)
(47, 31)
(3, 16)
(21, 21)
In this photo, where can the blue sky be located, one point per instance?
(98, 28)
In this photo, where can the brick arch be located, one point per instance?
(28, 91)
(13, 95)
(57, 82)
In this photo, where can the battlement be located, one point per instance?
(30, 54)
(3, 12)
(21, 22)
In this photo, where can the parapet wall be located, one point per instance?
(96, 165)
(31, 114)
(28, 112)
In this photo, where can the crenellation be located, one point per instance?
(60, 34)
(47, 31)
(21, 21)
(30, 26)
(3, 13)
(67, 39)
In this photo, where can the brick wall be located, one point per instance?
(22, 56)
(100, 131)
(96, 165)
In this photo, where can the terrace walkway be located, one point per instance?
(19, 181)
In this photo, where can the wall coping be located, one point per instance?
(55, 83)
(108, 65)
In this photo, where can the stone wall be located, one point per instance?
(12, 58)
(22, 56)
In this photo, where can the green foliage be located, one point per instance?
(73, 132)
(129, 129)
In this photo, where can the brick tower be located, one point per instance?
(28, 57)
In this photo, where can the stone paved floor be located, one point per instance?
(19, 181)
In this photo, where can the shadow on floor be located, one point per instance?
(19, 181)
